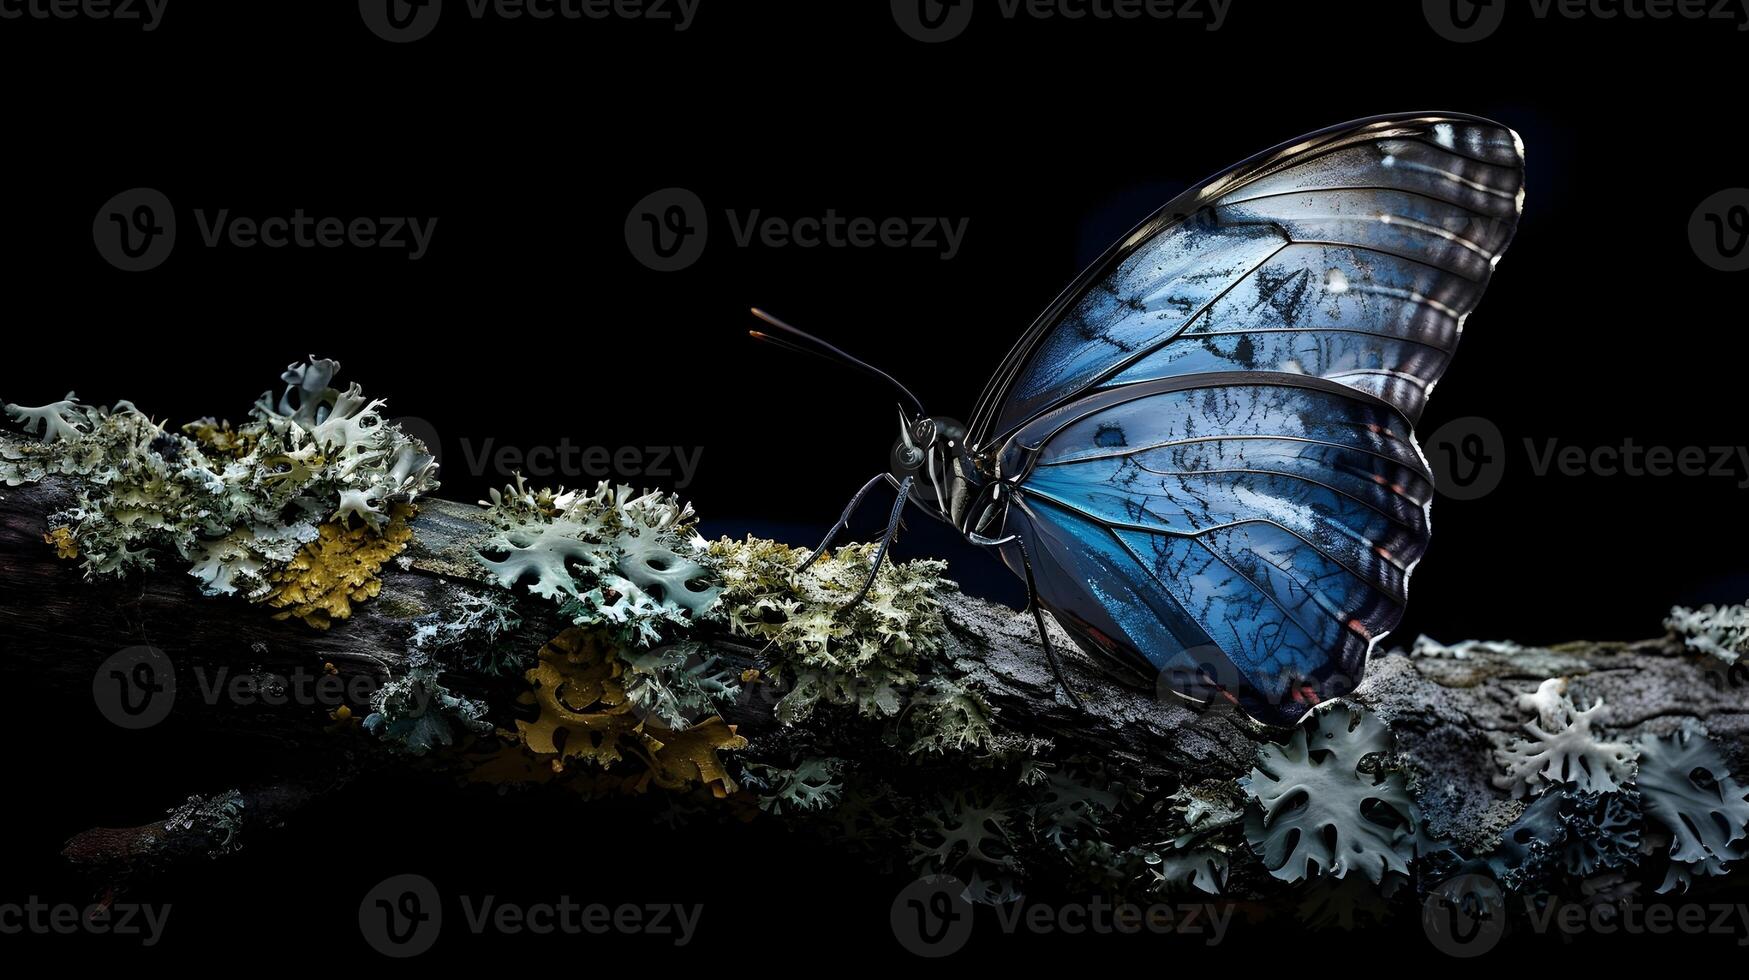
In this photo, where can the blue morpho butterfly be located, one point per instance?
(1201, 458)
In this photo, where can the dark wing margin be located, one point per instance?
(1353, 255)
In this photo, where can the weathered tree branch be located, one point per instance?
(1449, 713)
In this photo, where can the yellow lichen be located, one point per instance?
(584, 711)
(337, 569)
(220, 438)
(585, 715)
(62, 539)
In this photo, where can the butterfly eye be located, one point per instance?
(906, 458)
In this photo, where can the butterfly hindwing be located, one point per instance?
(1275, 519)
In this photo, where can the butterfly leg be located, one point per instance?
(1044, 634)
(1038, 615)
(843, 520)
(886, 541)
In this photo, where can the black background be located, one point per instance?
(530, 321)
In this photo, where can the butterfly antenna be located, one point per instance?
(806, 343)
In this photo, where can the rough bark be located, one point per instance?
(1449, 713)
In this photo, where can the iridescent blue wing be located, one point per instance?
(1252, 533)
(1353, 254)
(1212, 435)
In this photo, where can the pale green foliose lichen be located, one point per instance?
(616, 558)
(1200, 857)
(237, 505)
(419, 714)
(1691, 796)
(1328, 802)
(679, 683)
(814, 784)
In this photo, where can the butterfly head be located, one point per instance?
(928, 451)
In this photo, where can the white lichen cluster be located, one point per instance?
(614, 557)
(237, 504)
(1562, 748)
(1426, 646)
(1717, 631)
